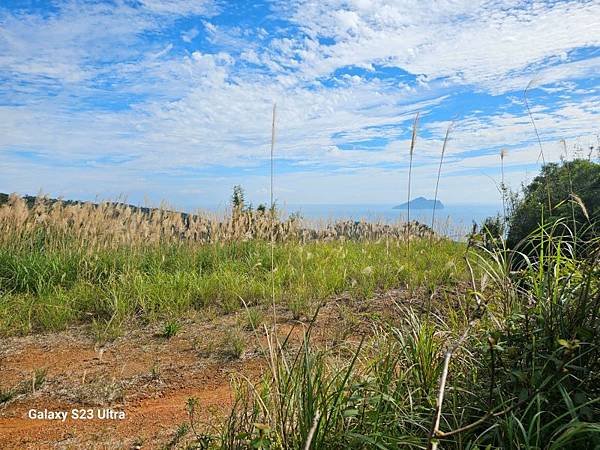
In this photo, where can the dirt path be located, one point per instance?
(147, 422)
(147, 376)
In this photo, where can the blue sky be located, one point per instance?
(172, 99)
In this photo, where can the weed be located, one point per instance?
(299, 306)
(234, 343)
(155, 372)
(105, 331)
(38, 379)
(6, 395)
(254, 318)
(180, 433)
(170, 329)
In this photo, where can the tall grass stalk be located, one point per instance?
(539, 140)
(503, 187)
(439, 173)
(413, 141)
(564, 142)
(272, 212)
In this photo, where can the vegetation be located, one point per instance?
(40, 223)
(104, 264)
(514, 363)
(574, 194)
(170, 329)
(499, 346)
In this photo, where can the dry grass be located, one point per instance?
(112, 225)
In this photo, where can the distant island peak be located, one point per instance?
(421, 203)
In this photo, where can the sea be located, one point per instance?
(454, 220)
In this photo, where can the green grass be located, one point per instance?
(170, 329)
(523, 326)
(54, 286)
(525, 376)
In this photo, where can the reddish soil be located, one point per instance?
(147, 376)
(141, 373)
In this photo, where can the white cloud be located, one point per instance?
(81, 40)
(479, 42)
(189, 35)
(180, 7)
(184, 110)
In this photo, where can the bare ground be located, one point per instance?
(148, 376)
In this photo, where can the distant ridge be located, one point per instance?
(421, 203)
(31, 199)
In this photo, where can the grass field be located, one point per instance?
(48, 290)
(431, 342)
(513, 362)
(69, 265)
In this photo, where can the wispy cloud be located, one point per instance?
(189, 35)
(156, 88)
(485, 43)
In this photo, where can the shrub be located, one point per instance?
(569, 191)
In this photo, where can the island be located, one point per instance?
(420, 203)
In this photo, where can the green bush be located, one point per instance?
(569, 191)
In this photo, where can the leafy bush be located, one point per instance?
(568, 191)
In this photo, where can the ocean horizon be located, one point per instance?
(454, 220)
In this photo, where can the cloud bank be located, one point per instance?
(172, 98)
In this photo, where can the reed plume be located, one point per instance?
(437, 182)
(413, 141)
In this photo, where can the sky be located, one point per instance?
(172, 100)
